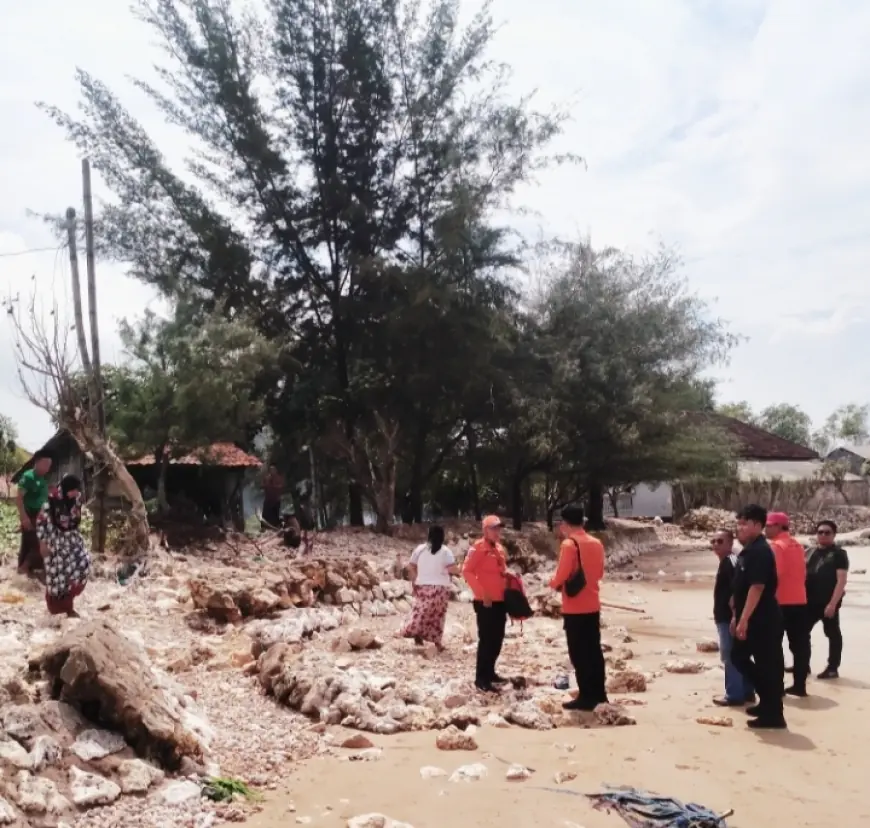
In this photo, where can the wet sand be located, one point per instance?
(813, 775)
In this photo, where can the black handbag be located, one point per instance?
(575, 584)
(515, 601)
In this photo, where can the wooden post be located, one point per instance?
(97, 404)
(315, 499)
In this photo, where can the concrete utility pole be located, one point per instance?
(97, 403)
(77, 296)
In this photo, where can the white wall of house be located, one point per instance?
(646, 500)
(652, 500)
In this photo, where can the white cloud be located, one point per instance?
(737, 131)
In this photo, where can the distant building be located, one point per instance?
(855, 456)
(761, 456)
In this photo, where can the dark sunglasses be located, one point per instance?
(824, 532)
(718, 541)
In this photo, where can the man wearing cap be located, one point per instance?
(581, 612)
(738, 689)
(485, 571)
(791, 595)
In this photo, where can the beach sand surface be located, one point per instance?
(814, 775)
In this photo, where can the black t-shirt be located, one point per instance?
(823, 563)
(723, 590)
(756, 565)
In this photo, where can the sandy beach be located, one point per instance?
(811, 775)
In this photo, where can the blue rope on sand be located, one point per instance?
(641, 809)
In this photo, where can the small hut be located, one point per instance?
(67, 458)
(206, 482)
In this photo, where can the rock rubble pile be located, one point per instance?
(707, 519)
(357, 584)
(341, 691)
(94, 721)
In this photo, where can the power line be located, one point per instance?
(53, 249)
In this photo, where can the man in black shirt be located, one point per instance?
(738, 689)
(757, 622)
(827, 571)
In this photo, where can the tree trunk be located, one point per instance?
(415, 494)
(613, 495)
(355, 504)
(595, 512)
(162, 458)
(472, 475)
(88, 438)
(517, 499)
(529, 511)
(385, 498)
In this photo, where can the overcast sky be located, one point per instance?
(741, 136)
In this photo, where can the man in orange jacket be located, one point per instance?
(791, 595)
(581, 613)
(485, 572)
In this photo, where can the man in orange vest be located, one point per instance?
(791, 595)
(485, 572)
(581, 612)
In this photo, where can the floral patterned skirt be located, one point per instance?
(429, 614)
(67, 565)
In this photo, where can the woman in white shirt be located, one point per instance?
(431, 566)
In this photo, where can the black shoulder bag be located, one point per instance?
(575, 584)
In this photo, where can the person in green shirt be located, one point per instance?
(32, 496)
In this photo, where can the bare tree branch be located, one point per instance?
(48, 367)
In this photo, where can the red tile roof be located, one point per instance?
(754, 443)
(222, 455)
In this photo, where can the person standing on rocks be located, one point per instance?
(738, 689)
(757, 622)
(581, 609)
(485, 572)
(827, 572)
(31, 497)
(791, 594)
(273, 491)
(67, 563)
(430, 568)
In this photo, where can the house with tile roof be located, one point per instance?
(209, 480)
(857, 457)
(760, 456)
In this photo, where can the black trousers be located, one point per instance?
(583, 632)
(796, 623)
(29, 556)
(759, 658)
(491, 625)
(831, 626)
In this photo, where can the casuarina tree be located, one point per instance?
(335, 145)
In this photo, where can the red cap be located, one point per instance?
(492, 522)
(777, 519)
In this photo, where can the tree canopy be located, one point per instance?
(346, 199)
(12, 456)
(788, 421)
(190, 380)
